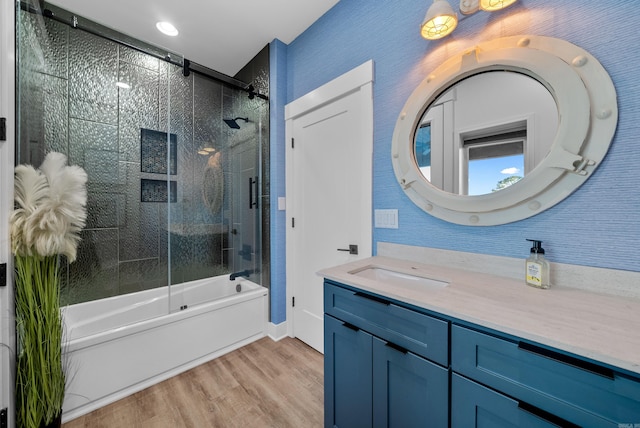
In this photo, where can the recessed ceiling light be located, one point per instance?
(167, 28)
(122, 85)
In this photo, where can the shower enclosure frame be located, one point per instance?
(188, 68)
(7, 156)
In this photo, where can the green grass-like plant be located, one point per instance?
(48, 216)
(40, 378)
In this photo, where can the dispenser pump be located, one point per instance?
(537, 246)
(537, 267)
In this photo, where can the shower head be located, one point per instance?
(232, 123)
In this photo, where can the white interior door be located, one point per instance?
(329, 178)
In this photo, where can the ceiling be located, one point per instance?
(223, 35)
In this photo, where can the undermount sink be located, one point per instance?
(387, 275)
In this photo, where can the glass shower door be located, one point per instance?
(246, 203)
(102, 104)
(175, 196)
(215, 224)
(197, 231)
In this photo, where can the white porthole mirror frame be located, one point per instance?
(587, 118)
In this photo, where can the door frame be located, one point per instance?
(7, 160)
(358, 79)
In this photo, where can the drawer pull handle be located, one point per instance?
(566, 359)
(350, 326)
(539, 413)
(374, 298)
(396, 347)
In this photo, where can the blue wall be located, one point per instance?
(598, 225)
(277, 100)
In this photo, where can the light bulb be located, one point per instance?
(493, 5)
(167, 28)
(439, 21)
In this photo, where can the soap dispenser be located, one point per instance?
(537, 266)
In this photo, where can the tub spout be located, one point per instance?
(234, 275)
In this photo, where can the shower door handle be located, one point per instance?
(253, 182)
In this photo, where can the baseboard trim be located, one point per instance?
(277, 331)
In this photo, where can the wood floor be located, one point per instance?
(264, 384)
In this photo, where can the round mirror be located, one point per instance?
(492, 129)
(541, 102)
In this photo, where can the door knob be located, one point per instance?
(353, 249)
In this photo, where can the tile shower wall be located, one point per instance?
(69, 102)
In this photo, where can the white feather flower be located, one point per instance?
(49, 216)
(31, 189)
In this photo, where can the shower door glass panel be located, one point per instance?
(104, 105)
(245, 205)
(212, 227)
(197, 228)
(168, 192)
(248, 153)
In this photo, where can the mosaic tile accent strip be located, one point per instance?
(156, 191)
(153, 152)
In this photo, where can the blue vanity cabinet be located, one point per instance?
(388, 364)
(376, 370)
(347, 375)
(412, 330)
(408, 390)
(474, 405)
(517, 380)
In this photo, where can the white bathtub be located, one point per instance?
(120, 345)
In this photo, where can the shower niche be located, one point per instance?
(158, 152)
(177, 157)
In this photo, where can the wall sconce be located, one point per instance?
(441, 20)
(468, 7)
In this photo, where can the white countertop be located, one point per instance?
(597, 326)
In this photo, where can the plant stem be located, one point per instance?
(40, 378)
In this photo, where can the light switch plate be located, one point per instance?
(385, 219)
(282, 203)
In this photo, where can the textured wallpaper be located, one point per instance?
(598, 225)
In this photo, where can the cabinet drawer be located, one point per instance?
(568, 387)
(408, 391)
(474, 405)
(416, 332)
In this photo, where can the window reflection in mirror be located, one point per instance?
(423, 149)
(485, 133)
(493, 163)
